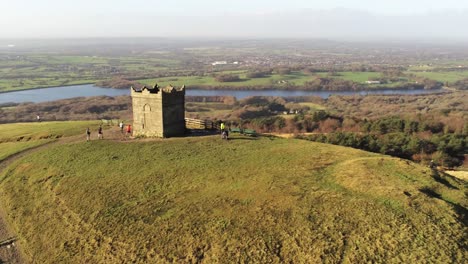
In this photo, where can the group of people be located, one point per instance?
(88, 133)
(128, 130)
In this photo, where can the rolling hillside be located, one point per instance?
(205, 200)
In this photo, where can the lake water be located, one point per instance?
(57, 93)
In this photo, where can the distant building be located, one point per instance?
(219, 63)
(158, 112)
(373, 82)
(224, 63)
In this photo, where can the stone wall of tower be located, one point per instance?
(158, 112)
(173, 109)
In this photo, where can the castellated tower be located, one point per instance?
(158, 112)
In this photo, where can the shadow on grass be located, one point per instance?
(200, 133)
(242, 138)
(461, 211)
(431, 193)
(437, 177)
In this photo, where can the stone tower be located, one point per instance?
(158, 112)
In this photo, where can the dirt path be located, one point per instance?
(11, 253)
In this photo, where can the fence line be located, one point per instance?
(192, 123)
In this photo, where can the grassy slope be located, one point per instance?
(42, 130)
(266, 200)
(17, 137)
(9, 148)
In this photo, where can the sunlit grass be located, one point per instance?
(9, 148)
(42, 130)
(243, 200)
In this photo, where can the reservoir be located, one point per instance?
(65, 92)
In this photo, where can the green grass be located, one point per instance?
(450, 76)
(17, 137)
(43, 130)
(359, 77)
(296, 78)
(44, 70)
(246, 200)
(9, 148)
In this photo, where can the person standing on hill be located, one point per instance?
(129, 130)
(225, 134)
(100, 132)
(222, 126)
(38, 118)
(88, 134)
(121, 126)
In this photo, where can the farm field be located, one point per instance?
(201, 199)
(45, 70)
(296, 78)
(192, 66)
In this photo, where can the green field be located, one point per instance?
(9, 148)
(45, 70)
(18, 137)
(75, 63)
(449, 76)
(43, 130)
(37, 70)
(358, 77)
(258, 200)
(295, 78)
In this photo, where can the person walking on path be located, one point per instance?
(121, 126)
(100, 132)
(129, 130)
(88, 134)
(222, 126)
(225, 134)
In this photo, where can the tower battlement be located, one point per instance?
(158, 112)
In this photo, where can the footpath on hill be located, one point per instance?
(9, 250)
(306, 202)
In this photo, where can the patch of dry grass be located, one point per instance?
(459, 174)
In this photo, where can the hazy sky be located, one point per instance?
(93, 18)
(38, 8)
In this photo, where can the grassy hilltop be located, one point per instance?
(246, 200)
(18, 137)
